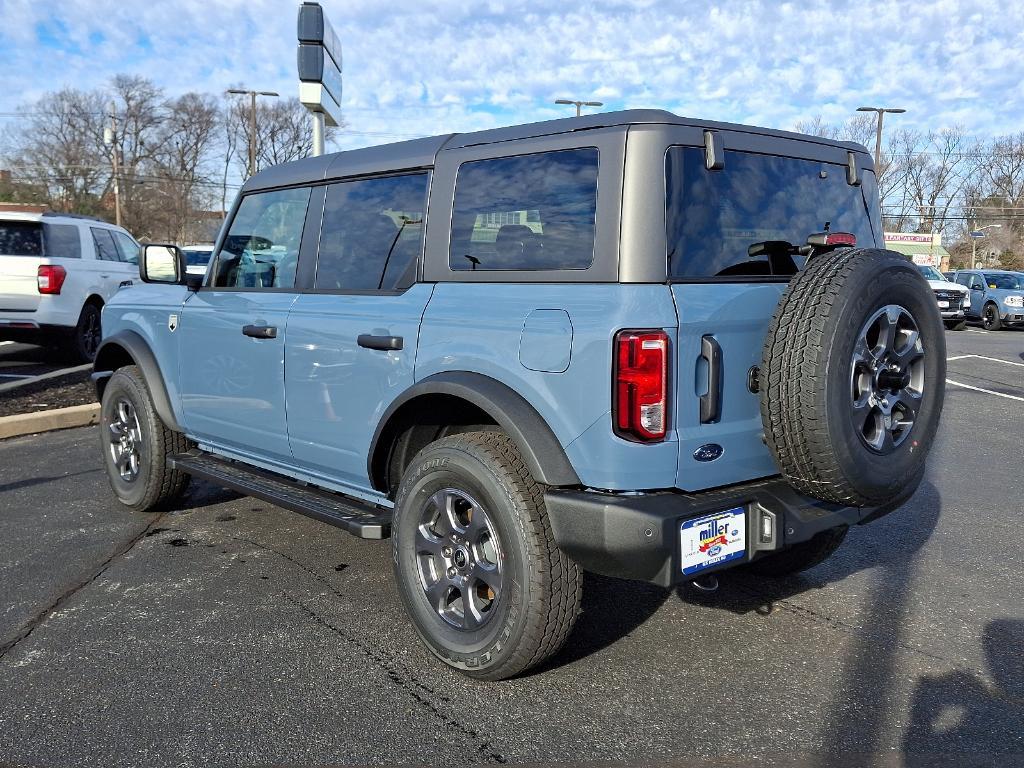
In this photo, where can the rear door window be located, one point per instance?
(372, 233)
(713, 217)
(105, 247)
(127, 247)
(21, 238)
(261, 249)
(528, 212)
(62, 241)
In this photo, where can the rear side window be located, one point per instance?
(261, 250)
(21, 238)
(713, 217)
(105, 248)
(529, 212)
(372, 233)
(62, 241)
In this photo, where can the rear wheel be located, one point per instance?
(476, 564)
(136, 444)
(990, 318)
(800, 557)
(85, 339)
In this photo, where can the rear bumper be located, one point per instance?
(637, 536)
(31, 332)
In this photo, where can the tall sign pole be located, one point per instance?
(319, 60)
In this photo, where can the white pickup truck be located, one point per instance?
(953, 299)
(56, 273)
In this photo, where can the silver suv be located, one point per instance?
(56, 273)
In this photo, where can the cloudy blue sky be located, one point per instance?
(421, 67)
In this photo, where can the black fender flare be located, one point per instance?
(109, 358)
(541, 451)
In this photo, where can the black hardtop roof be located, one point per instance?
(422, 153)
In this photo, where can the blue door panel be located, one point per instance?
(337, 391)
(232, 386)
(737, 316)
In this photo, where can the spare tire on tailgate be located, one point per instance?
(853, 377)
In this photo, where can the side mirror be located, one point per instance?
(162, 264)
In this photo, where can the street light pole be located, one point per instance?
(975, 236)
(252, 120)
(579, 104)
(880, 111)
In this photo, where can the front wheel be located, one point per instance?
(476, 564)
(136, 444)
(990, 318)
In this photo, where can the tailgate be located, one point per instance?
(721, 325)
(19, 289)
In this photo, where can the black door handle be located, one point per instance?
(260, 331)
(370, 341)
(711, 402)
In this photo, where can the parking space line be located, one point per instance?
(993, 359)
(975, 330)
(986, 391)
(5, 343)
(14, 375)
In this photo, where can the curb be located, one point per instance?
(47, 421)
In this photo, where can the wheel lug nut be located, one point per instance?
(451, 573)
(446, 551)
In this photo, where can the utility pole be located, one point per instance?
(580, 104)
(880, 111)
(975, 236)
(252, 121)
(110, 139)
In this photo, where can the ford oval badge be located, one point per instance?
(708, 452)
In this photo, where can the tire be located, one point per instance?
(136, 444)
(843, 427)
(990, 318)
(524, 611)
(800, 557)
(956, 325)
(85, 339)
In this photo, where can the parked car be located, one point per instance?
(952, 298)
(197, 257)
(57, 271)
(709, 363)
(997, 296)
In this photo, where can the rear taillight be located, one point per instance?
(50, 278)
(640, 381)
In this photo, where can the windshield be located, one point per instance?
(713, 217)
(930, 273)
(21, 238)
(1004, 282)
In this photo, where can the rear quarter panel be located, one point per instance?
(480, 328)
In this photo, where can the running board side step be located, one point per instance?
(356, 517)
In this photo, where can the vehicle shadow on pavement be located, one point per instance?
(958, 710)
(203, 494)
(29, 482)
(902, 533)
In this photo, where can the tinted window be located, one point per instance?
(127, 247)
(963, 279)
(20, 238)
(105, 248)
(713, 217)
(261, 249)
(529, 212)
(62, 241)
(195, 258)
(372, 233)
(1002, 282)
(976, 283)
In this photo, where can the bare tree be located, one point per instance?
(937, 167)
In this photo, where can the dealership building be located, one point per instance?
(922, 248)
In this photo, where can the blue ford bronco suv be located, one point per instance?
(632, 343)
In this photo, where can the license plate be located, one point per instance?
(713, 539)
(943, 305)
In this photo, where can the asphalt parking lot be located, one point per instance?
(232, 632)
